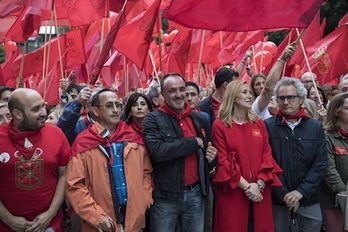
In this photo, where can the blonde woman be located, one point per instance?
(246, 170)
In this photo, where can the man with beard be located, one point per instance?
(33, 159)
(177, 141)
(109, 174)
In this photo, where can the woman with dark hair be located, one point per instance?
(311, 94)
(336, 126)
(137, 107)
(257, 83)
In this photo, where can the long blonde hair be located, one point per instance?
(227, 106)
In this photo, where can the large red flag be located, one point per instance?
(82, 12)
(328, 57)
(241, 15)
(133, 39)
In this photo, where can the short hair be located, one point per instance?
(95, 98)
(133, 99)
(6, 88)
(169, 75)
(287, 81)
(153, 92)
(15, 103)
(223, 75)
(72, 86)
(334, 107)
(194, 85)
(227, 106)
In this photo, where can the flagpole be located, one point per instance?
(153, 64)
(221, 44)
(200, 57)
(261, 63)
(284, 67)
(307, 64)
(20, 76)
(160, 31)
(58, 42)
(48, 58)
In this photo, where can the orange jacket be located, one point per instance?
(88, 186)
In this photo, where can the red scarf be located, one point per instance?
(137, 128)
(89, 138)
(343, 132)
(18, 140)
(166, 109)
(300, 113)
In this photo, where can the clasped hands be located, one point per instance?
(253, 192)
(292, 200)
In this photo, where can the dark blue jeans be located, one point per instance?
(189, 212)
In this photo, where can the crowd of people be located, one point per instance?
(246, 157)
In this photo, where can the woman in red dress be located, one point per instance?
(246, 170)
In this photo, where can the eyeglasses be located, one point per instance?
(290, 98)
(111, 105)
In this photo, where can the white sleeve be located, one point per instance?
(262, 114)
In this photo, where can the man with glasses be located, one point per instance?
(299, 147)
(307, 79)
(109, 174)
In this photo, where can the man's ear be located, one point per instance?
(17, 114)
(95, 111)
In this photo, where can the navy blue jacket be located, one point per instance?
(302, 154)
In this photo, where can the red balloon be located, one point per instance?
(165, 38)
(271, 47)
(172, 35)
(10, 46)
(266, 57)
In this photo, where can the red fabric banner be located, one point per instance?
(243, 15)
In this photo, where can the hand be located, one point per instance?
(84, 95)
(19, 223)
(41, 222)
(210, 153)
(63, 86)
(322, 113)
(253, 192)
(288, 52)
(106, 225)
(200, 142)
(292, 199)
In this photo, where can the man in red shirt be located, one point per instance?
(33, 159)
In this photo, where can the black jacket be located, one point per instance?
(168, 147)
(302, 154)
(207, 106)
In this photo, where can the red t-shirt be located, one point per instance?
(27, 188)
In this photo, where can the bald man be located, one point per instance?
(307, 80)
(33, 159)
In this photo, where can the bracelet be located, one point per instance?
(261, 184)
(281, 60)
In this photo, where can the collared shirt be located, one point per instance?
(118, 172)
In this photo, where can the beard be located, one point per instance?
(28, 124)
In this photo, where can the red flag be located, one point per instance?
(75, 49)
(311, 36)
(178, 52)
(328, 57)
(238, 45)
(51, 95)
(82, 12)
(33, 61)
(135, 45)
(343, 21)
(109, 69)
(243, 15)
